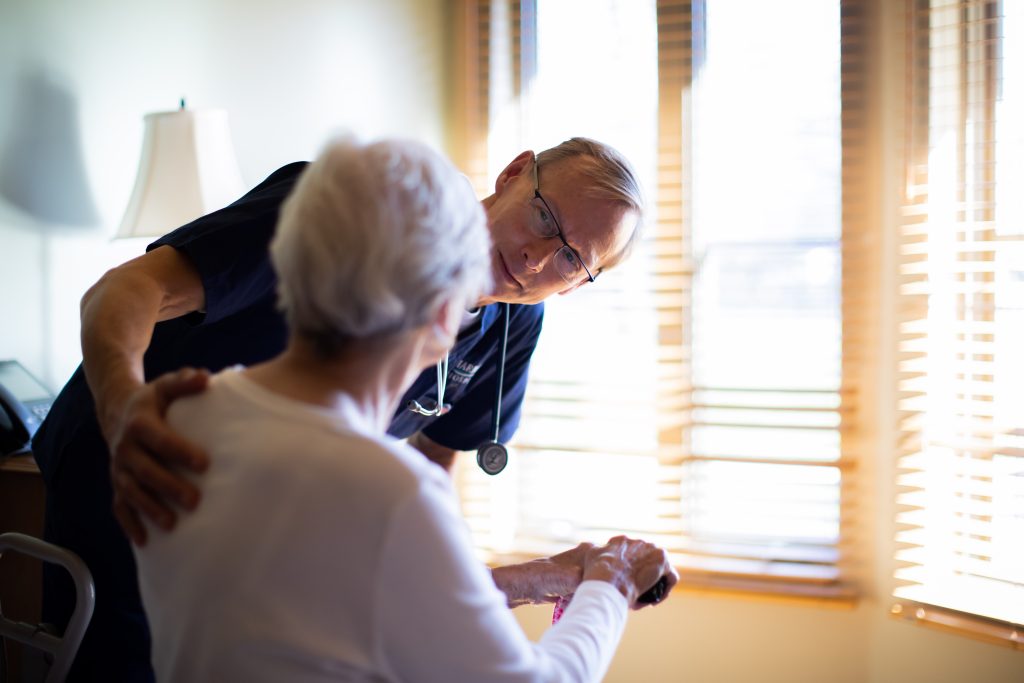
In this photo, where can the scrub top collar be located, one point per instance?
(481, 322)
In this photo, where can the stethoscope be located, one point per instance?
(492, 456)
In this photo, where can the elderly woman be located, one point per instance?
(325, 549)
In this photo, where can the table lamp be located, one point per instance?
(187, 169)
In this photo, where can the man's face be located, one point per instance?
(522, 262)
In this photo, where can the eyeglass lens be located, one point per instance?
(567, 264)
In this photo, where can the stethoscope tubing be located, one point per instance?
(496, 413)
(492, 455)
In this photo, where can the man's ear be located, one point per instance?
(514, 170)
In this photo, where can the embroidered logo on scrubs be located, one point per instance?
(461, 372)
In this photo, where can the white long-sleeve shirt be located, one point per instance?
(321, 551)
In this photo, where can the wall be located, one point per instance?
(76, 79)
(708, 638)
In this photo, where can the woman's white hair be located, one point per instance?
(373, 239)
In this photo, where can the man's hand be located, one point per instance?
(145, 452)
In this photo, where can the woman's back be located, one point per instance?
(273, 576)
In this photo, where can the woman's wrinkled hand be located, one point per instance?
(632, 566)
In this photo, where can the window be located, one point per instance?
(961, 500)
(708, 408)
(762, 480)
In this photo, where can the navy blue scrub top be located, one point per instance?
(241, 325)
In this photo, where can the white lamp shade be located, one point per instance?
(188, 169)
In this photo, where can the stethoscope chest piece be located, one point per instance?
(492, 457)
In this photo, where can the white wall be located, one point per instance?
(77, 77)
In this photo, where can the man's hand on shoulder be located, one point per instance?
(146, 454)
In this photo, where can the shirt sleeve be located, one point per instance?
(468, 425)
(230, 247)
(439, 616)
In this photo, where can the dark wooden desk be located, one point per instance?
(22, 504)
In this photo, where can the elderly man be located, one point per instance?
(203, 296)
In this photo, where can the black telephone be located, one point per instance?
(24, 402)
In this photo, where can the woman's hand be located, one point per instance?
(632, 566)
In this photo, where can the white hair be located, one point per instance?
(373, 239)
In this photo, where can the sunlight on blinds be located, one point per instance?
(962, 472)
(766, 330)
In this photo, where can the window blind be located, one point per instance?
(470, 111)
(699, 395)
(764, 471)
(961, 469)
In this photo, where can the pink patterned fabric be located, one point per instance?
(560, 605)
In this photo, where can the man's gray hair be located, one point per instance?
(373, 239)
(610, 177)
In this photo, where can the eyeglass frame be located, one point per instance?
(558, 228)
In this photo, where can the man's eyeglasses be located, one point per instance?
(567, 262)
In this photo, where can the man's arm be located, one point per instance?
(119, 313)
(118, 316)
(435, 452)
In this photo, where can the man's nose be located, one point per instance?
(537, 253)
